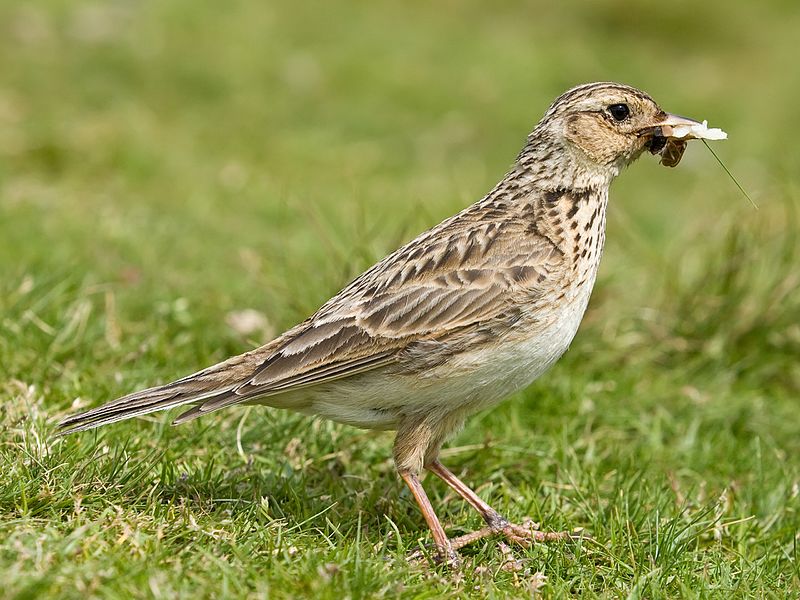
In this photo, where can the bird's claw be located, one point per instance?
(447, 557)
(528, 533)
(524, 535)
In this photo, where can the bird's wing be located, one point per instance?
(436, 285)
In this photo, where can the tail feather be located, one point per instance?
(218, 380)
(135, 405)
(198, 410)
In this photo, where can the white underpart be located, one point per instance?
(698, 131)
(472, 381)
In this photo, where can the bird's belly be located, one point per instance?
(492, 373)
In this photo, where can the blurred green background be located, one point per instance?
(165, 165)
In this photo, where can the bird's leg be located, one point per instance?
(491, 516)
(443, 546)
(524, 534)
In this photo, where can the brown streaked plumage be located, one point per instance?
(457, 319)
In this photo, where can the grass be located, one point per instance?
(164, 166)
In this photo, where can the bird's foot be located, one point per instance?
(528, 533)
(525, 535)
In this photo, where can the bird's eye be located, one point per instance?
(620, 112)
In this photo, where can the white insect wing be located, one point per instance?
(699, 131)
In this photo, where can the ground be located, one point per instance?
(181, 180)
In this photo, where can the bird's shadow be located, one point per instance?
(309, 496)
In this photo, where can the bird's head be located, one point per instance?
(605, 126)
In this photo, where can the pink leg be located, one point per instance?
(443, 545)
(524, 535)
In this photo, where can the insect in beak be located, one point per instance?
(671, 133)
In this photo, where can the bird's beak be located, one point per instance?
(663, 127)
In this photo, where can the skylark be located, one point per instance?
(460, 317)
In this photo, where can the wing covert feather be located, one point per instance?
(435, 285)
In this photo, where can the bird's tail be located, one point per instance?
(217, 382)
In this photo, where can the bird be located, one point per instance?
(456, 320)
